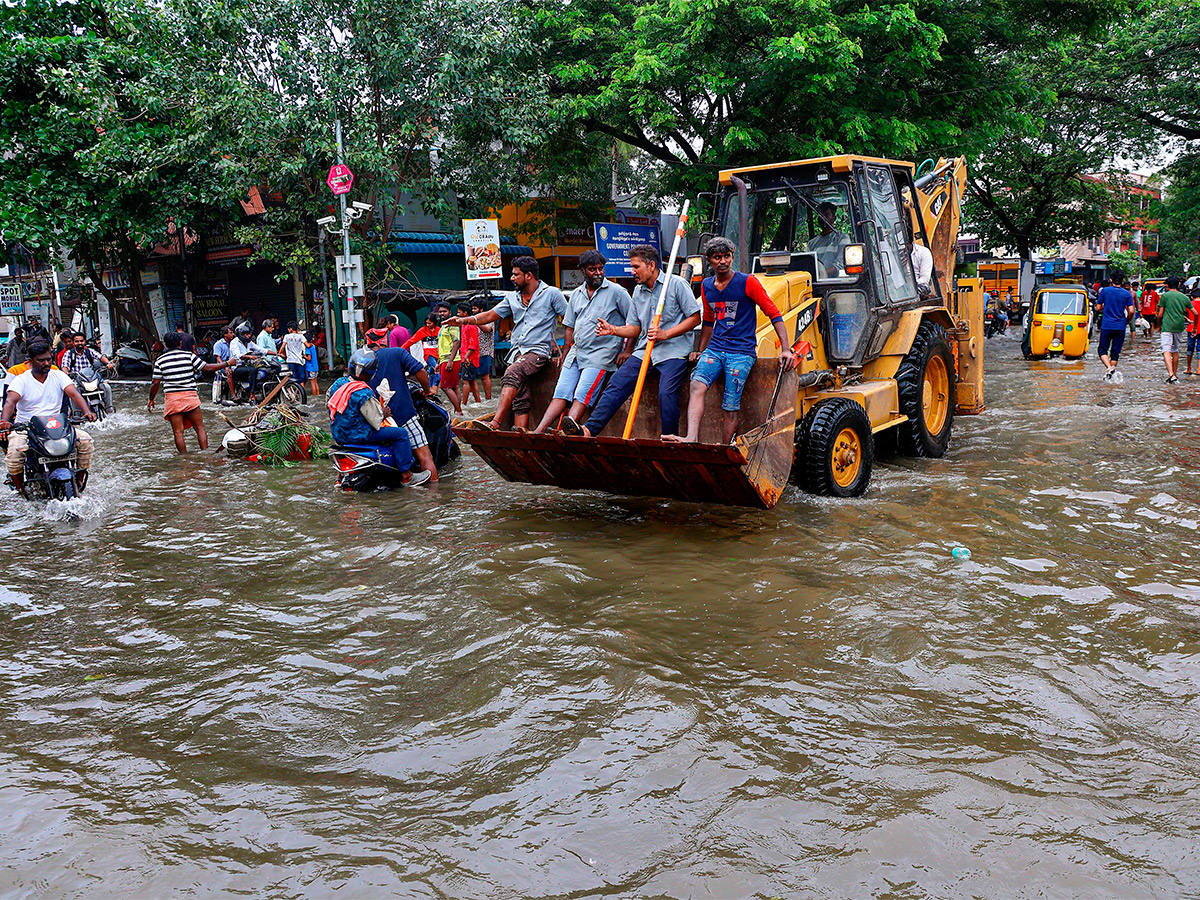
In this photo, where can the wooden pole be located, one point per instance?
(658, 311)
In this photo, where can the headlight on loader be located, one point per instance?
(852, 256)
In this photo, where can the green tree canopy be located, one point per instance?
(711, 83)
(435, 97)
(111, 135)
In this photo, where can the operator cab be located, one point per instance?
(844, 221)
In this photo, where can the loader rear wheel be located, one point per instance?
(926, 382)
(837, 449)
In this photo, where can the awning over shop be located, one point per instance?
(431, 242)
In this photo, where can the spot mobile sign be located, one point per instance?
(10, 299)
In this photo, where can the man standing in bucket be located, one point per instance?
(590, 355)
(672, 341)
(534, 309)
(727, 340)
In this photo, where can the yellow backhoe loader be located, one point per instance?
(881, 357)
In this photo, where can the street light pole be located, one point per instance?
(351, 325)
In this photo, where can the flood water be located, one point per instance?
(218, 680)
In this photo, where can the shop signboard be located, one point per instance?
(481, 245)
(211, 309)
(158, 308)
(38, 309)
(228, 254)
(104, 325)
(573, 227)
(114, 280)
(614, 240)
(10, 299)
(1053, 267)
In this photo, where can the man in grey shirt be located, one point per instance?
(16, 348)
(534, 309)
(590, 355)
(672, 336)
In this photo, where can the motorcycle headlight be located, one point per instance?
(57, 447)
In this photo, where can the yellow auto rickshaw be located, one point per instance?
(1057, 322)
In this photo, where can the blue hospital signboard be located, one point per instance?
(614, 241)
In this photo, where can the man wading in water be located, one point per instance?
(534, 309)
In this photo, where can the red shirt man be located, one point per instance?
(1149, 302)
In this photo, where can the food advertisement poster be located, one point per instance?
(481, 242)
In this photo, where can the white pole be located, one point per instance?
(352, 325)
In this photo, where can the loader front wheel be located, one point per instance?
(926, 383)
(838, 449)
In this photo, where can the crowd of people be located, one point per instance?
(608, 333)
(1121, 308)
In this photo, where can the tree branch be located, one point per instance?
(638, 140)
(1187, 132)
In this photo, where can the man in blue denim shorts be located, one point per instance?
(590, 354)
(727, 339)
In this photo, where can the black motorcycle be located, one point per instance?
(276, 371)
(90, 384)
(51, 462)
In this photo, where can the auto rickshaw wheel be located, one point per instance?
(926, 384)
(836, 450)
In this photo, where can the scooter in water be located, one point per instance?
(91, 385)
(51, 461)
(370, 467)
(994, 324)
(132, 359)
(276, 371)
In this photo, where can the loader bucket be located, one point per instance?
(753, 471)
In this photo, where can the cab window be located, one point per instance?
(889, 235)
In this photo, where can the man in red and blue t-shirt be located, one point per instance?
(727, 342)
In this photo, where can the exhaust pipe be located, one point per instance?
(743, 228)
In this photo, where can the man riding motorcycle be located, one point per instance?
(80, 357)
(39, 392)
(243, 349)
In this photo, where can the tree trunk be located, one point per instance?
(134, 312)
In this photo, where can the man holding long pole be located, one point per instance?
(672, 339)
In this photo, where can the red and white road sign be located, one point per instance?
(340, 179)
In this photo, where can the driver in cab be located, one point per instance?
(829, 243)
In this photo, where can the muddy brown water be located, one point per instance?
(220, 681)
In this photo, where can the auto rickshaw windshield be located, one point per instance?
(1062, 303)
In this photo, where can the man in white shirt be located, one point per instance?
(244, 350)
(39, 392)
(922, 260)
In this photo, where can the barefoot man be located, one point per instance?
(727, 343)
(591, 351)
(534, 309)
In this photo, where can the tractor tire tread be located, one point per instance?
(824, 422)
(913, 439)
